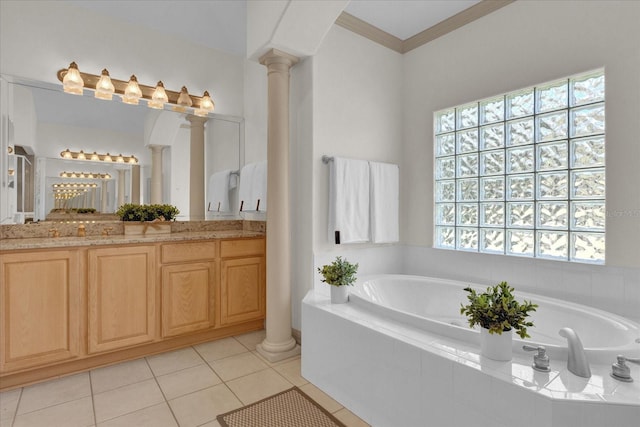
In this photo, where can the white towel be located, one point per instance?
(349, 200)
(218, 192)
(246, 184)
(259, 187)
(385, 202)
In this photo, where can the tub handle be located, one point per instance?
(621, 371)
(540, 359)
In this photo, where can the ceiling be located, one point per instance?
(221, 24)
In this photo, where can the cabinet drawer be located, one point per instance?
(241, 247)
(177, 252)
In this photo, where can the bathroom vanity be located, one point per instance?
(73, 303)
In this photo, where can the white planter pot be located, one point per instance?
(339, 294)
(494, 346)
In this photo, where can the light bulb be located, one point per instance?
(66, 154)
(120, 159)
(81, 156)
(72, 81)
(206, 105)
(133, 160)
(104, 87)
(159, 97)
(184, 101)
(132, 93)
(95, 157)
(107, 158)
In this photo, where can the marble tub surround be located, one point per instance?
(70, 229)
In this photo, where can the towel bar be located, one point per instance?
(326, 159)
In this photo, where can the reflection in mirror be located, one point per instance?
(44, 122)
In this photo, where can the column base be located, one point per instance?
(278, 352)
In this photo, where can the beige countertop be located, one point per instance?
(120, 239)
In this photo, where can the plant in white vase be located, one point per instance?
(339, 274)
(499, 314)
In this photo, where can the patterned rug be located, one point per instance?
(291, 408)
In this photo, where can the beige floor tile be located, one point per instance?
(250, 339)
(153, 416)
(110, 377)
(291, 371)
(123, 400)
(220, 349)
(211, 424)
(349, 418)
(76, 413)
(174, 361)
(258, 385)
(8, 405)
(237, 366)
(321, 398)
(54, 392)
(203, 406)
(273, 364)
(187, 381)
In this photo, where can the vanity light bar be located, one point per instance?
(131, 91)
(81, 155)
(85, 175)
(74, 185)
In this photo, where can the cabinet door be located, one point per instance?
(122, 297)
(187, 298)
(40, 320)
(242, 290)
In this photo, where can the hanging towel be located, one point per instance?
(385, 202)
(259, 187)
(348, 201)
(218, 192)
(246, 184)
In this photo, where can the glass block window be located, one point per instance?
(524, 173)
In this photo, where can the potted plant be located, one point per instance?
(339, 274)
(498, 314)
(147, 219)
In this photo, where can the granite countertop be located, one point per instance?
(120, 239)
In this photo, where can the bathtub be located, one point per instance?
(434, 305)
(400, 354)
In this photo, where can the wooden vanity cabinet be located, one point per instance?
(242, 283)
(121, 297)
(40, 293)
(189, 283)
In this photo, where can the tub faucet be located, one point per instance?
(577, 361)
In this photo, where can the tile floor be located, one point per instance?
(185, 388)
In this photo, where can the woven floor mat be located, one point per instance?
(291, 408)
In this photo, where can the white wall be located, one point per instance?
(40, 37)
(520, 45)
(357, 112)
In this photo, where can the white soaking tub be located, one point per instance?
(400, 354)
(434, 305)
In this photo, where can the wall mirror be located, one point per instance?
(43, 121)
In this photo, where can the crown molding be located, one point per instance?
(375, 34)
(450, 24)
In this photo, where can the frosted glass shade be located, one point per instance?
(72, 81)
(104, 87)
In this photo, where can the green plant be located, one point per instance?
(339, 273)
(497, 310)
(132, 212)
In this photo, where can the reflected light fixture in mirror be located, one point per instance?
(80, 155)
(75, 185)
(104, 87)
(131, 92)
(73, 82)
(85, 175)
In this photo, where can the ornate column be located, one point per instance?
(121, 178)
(135, 184)
(196, 164)
(278, 344)
(156, 174)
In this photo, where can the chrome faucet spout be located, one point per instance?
(577, 362)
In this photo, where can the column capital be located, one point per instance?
(196, 120)
(275, 56)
